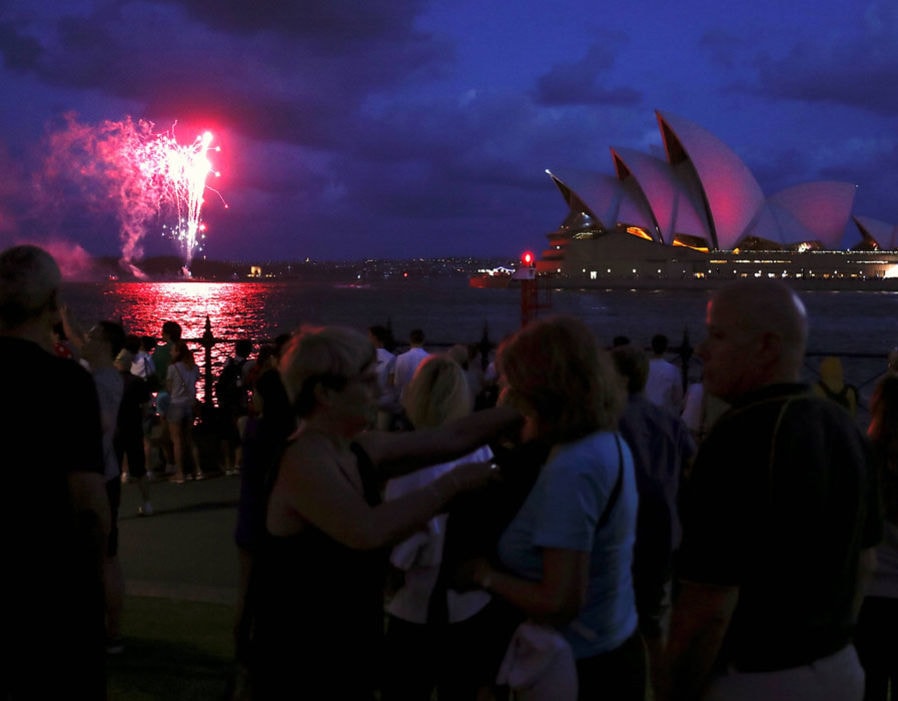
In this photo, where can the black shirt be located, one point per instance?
(781, 500)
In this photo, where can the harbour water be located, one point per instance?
(842, 322)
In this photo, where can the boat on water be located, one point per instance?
(494, 278)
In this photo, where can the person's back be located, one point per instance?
(662, 450)
(53, 596)
(231, 389)
(664, 386)
(387, 404)
(407, 362)
(161, 356)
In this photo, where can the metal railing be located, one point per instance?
(862, 369)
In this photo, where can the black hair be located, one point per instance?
(243, 347)
(114, 334)
(172, 329)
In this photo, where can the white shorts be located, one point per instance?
(838, 677)
(178, 412)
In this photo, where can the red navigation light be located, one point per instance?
(527, 259)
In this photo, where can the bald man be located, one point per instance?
(779, 518)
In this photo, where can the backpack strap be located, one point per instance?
(618, 485)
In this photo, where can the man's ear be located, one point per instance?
(770, 348)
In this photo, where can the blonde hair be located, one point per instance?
(330, 355)
(437, 393)
(556, 369)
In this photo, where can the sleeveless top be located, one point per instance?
(318, 611)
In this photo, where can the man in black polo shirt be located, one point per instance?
(55, 512)
(779, 517)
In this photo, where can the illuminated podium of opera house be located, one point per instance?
(699, 218)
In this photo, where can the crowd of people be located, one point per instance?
(561, 523)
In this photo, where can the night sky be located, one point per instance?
(416, 129)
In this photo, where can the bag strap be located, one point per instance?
(184, 382)
(618, 485)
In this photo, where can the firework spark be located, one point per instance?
(179, 174)
(150, 175)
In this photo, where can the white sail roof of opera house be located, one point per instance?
(608, 199)
(673, 206)
(817, 211)
(704, 190)
(732, 194)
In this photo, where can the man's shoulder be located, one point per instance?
(786, 409)
(29, 358)
(412, 354)
(661, 369)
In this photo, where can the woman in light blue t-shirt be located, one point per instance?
(566, 556)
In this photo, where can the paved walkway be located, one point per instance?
(186, 549)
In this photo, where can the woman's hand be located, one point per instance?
(473, 475)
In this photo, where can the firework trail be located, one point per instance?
(148, 174)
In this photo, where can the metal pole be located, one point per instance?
(207, 342)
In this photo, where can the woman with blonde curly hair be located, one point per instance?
(565, 558)
(319, 579)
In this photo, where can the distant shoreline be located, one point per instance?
(170, 269)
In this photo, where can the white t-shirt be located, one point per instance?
(406, 364)
(182, 381)
(386, 362)
(664, 387)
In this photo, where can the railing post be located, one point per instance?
(485, 346)
(207, 342)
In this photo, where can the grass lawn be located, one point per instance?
(174, 650)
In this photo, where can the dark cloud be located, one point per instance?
(856, 76)
(342, 24)
(855, 66)
(20, 52)
(301, 83)
(352, 129)
(583, 82)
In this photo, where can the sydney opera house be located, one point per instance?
(699, 217)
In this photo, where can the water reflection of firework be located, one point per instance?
(149, 174)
